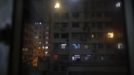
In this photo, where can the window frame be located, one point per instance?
(15, 59)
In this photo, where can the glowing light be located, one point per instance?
(46, 47)
(75, 57)
(118, 4)
(120, 46)
(40, 22)
(63, 46)
(110, 35)
(76, 46)
(57, 5)
(46, 53)
(92, 35)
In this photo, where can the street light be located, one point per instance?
(57, 5)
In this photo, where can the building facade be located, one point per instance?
(78, 35)
(89, 33)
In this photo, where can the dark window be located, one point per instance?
(64, 25)
(109, 45)
(64, 35)
(87, 15)
(56, 15)
(56, 35)
(99, 25)
(75, 25)
(100, 45)
(56, 46)
(75, 14)
(94, 46)
(65, 15)
(56, 25)
(76, 36)
(64, 57)
(99, 14)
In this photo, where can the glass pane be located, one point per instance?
(5, 34)
(67, 37)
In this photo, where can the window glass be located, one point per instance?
(5, 34)
(86, 36)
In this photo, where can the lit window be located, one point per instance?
(63, 46)
(76, 58)
(110, 35)
(76, 46)
(46, 53)
(118, 4)
(92, 35)
(46, 47)
(40, 22)
(46, 42)
(120, 46)
(73, 58)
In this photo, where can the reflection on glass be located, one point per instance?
(5, 34)
(83, 37)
